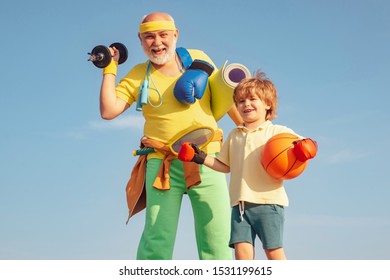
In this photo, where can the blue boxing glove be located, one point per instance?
(192, 84)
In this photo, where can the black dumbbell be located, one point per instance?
(101, 55)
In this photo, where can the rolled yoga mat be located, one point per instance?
(222, 84)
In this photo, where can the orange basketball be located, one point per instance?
(278, 158)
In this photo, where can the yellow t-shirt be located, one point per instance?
(165, 122)
(248, 179)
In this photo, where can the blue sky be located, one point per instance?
(63, 170)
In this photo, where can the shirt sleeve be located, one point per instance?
(224, 154)
(128, 87)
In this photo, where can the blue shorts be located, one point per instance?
(264, 220)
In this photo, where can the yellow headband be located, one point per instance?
(157, 25)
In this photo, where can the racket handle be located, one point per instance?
(143, 151)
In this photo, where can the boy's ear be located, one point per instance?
(267, 107)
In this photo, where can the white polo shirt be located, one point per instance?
(249, 181)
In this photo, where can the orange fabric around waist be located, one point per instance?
(191, 169)
(135, 188)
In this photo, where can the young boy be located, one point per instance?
(257, 199)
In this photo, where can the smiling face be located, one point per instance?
(158, 35)
(159, 46)
(256, 100)
(252, 110)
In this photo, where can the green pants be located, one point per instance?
(211, 210)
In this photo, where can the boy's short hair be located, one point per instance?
(263, 88)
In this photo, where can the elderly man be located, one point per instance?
(168, 111)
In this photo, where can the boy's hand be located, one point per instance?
(186, 152)
(191, 152)
(305, 149)
(199, 156)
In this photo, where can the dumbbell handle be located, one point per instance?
(95, 57)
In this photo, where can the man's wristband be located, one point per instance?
(111, 68)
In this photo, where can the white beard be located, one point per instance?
(162, 59)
